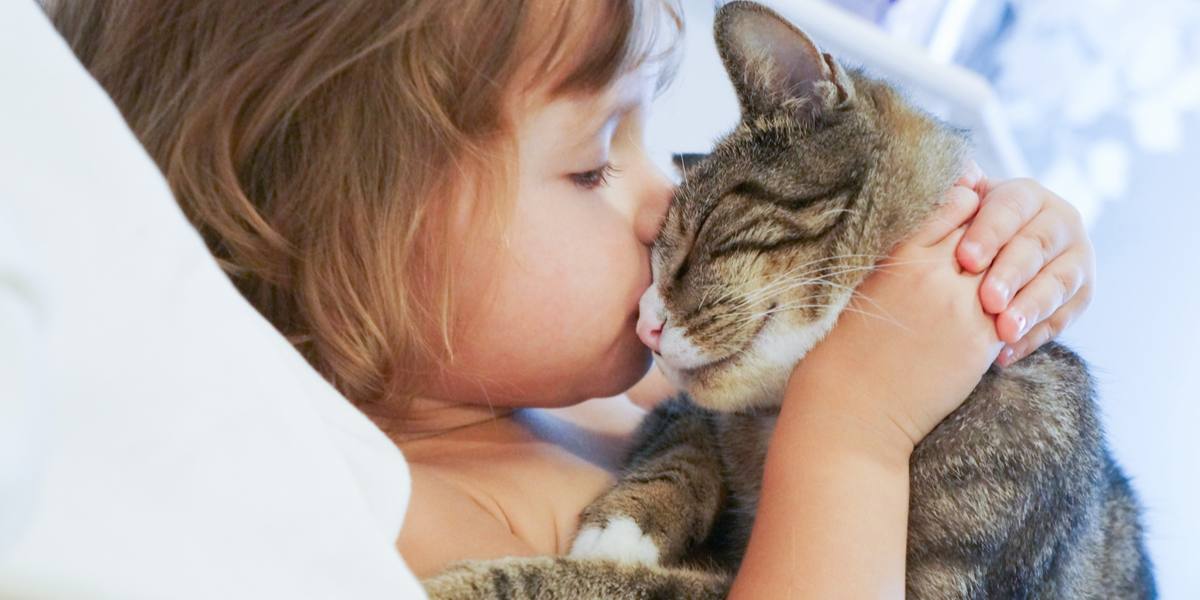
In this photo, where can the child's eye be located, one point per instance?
(590, 180)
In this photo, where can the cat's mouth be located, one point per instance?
(693, 372)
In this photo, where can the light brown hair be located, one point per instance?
(319, 145)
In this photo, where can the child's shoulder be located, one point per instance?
(442, 516)
(513, 487)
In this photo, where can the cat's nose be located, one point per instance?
(651, 318)
(650, 332)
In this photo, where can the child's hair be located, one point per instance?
(319, 145)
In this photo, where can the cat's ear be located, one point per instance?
(686, 162)
(772, 64)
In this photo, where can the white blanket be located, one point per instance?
(158, 439)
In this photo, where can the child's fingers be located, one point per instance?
(960, 205)
(1052, 288)
(1044, 331)
(972, 176)
(1003, 212)
(1022, 258)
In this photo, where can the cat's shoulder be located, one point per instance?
(1051, 365)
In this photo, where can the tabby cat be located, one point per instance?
(1014, 495)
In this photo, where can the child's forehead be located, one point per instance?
(591, 110)
(574, 127)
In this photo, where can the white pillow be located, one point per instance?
(158, 438)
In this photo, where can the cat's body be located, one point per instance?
(1014, 495)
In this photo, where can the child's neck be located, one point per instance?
(596, 430)
(427, 417)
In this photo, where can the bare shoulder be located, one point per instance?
(514, 486)
(442, 517)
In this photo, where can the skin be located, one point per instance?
(505, 452)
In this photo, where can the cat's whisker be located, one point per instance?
(793, 275)
(779, 288)
(784, 284)
(755, 316)
(704, 297)
(886, 319)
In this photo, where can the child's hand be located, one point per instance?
(915, 339)
(1039, 261)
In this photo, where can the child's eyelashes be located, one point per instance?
(590, 180)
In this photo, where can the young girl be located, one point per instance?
(448, 207)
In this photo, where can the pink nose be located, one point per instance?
(649, 330)
(650, 319)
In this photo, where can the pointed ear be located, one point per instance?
(773, 64)
(685, 162)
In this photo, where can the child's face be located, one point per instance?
(558, 325)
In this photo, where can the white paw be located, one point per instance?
(620, 540)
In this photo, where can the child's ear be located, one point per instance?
(686, 162)
(774, 65)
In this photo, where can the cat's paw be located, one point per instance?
(621, 540)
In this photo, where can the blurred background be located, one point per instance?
(1100, 101)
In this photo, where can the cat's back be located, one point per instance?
(1020, 479)
(1044, 403)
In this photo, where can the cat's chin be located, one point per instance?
(756, 377)
(729, 394)
(724, 385)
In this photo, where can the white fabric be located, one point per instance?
(158, 439)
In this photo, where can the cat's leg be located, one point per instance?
(562, 578)
(668, 497)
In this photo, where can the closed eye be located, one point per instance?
(786, 220)
(590, 180)
(794, 202)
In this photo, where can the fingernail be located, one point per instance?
(1021, 322)
(1006, 356)
(973, 250)
(1002, 289)
(974, 171)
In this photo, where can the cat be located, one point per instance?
(1013, 495)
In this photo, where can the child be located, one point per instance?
(448, 207)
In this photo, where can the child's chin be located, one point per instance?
(628, 369)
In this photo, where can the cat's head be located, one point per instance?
(767, 235)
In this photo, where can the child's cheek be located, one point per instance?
(599, 271)
(562, 310)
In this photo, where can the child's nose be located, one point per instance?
(651, 319)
